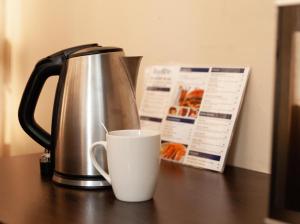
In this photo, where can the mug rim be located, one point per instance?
(142, 133)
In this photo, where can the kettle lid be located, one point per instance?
(94, 50)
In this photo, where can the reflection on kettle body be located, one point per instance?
(96, 84)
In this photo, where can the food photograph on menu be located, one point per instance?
(187, 102)
(173, 151)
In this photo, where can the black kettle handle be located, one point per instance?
(42, 71)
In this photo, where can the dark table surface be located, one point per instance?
(184, 195)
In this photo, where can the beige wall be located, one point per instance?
(1, 77)
(198, 32)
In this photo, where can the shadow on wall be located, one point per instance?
(6, 97)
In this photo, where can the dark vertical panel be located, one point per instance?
(286, 124)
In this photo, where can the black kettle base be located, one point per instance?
(85, 182)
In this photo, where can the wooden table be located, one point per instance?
(184, 195)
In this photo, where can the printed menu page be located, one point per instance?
(177, 126)
(157, 92)
(197, 114)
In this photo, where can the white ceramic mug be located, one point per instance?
(133, 163)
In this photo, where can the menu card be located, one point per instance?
(195, 109)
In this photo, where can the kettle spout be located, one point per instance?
(132, 65)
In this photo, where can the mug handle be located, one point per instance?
(94, 161)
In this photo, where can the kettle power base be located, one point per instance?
(80, 182)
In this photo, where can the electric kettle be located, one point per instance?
(96, 84)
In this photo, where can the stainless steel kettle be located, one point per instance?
(96, 84)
